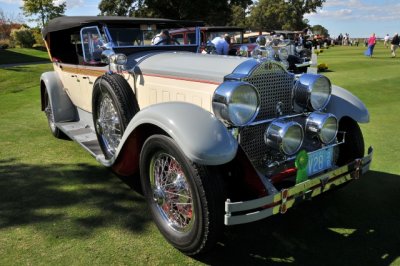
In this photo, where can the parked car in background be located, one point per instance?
(214, 140)
(294, 57)
(208, 33)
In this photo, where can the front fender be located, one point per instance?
(198, 133)
(63, 108)
(344, 103)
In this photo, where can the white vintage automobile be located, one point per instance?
(216, 140)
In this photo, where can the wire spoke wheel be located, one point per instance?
(113, 105)
(50, 118)
(186, 200)
(108, 124)
(171, 192)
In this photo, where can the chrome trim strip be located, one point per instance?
(280, 117)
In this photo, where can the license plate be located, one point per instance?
(319, 161)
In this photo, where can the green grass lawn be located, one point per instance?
(22, 55)
(58, 206)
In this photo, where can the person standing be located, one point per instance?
(221, 44)
(371, 45)
(162, 39)
(386, 40)
(394, 44)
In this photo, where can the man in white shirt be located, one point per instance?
(161, 39)
(221, 45)
(386, 40)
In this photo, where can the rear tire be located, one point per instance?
(186, 200)
(50, 118)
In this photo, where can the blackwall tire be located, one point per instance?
(113, 105)
(186, 200)
(353, 147)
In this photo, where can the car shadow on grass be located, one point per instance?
(67, 200)
(9, 57)
(355, 225)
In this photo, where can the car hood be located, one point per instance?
(212, 68)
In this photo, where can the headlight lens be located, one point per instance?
(261, 40)
(244, 51)
(120, 59)
(325, 126)
(285, 136)
(263, 52)
(283, 54)
(312, 91)
(236, 103)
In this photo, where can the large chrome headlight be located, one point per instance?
(261, 40)
(109, 57)
(312, 91)
(244, 51)
(325, 126)
(283, 54)
(263, 52)
(284, 136)
(236, 103)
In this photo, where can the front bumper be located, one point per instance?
(305, 64)
(257, 209)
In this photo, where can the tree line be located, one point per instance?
(256, 15)
(261, 15)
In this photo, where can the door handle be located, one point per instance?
(90, 82)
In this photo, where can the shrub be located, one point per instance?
(4, 44)
(23, 37)
(38, 37)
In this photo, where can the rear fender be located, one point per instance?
(344, 103)
(198, 133)
(63, 108)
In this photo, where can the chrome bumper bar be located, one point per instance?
(257, 209)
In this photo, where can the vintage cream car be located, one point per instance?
(216, 140)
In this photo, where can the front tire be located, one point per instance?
(353, 148)
(186, 200)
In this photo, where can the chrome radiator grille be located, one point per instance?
(275, 87)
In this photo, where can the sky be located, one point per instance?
(358, 18)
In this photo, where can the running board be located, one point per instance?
(83, 134)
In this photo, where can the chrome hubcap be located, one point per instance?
(171, 192)
(108, 124)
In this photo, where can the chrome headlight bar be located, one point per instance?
(236, 103)
(284, 136)
(312, 92)
(325, 126)
(287, 136)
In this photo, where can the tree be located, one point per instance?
(45, 9)
(8, 22)
(239, 13)
(282, 14)
(213, 12)
(120, 7)
(320, 30)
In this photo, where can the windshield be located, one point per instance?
(143, 36)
